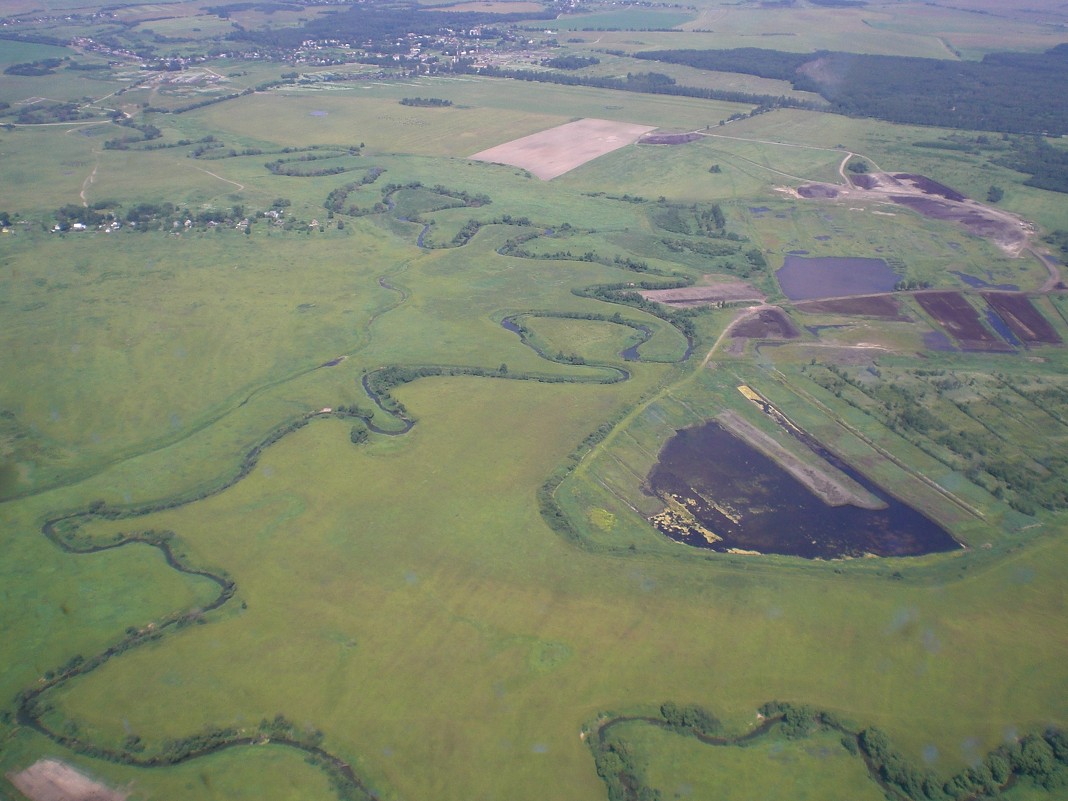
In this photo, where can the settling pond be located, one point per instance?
(831, 277)
(745, 498)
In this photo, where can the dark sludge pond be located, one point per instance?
(723, 486)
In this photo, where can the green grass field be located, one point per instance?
(408, 597)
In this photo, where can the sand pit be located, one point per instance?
(52, 780)
(931, 199)
(565, 147)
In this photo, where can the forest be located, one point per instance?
(1013, 92)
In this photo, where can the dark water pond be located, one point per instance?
(833, 276)
(745, 498)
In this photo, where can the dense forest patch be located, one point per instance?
(1013, 92)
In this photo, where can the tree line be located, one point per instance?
(1039, 758)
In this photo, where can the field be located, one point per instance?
(326, 452)
(551, 153)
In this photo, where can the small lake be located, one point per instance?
(747, 499)
(833, 276)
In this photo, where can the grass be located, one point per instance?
(631, 19)
(406, 596)
(813, 768)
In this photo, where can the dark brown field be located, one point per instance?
(820, 191)
(885, 307)
(929, 187)
(1020, 314)
(769, 323)
(960, 320)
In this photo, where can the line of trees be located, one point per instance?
(425, 102)
(647, 82)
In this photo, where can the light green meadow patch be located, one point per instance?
(631, 19)
(198, 27)
(361, 114)
(14, 52)
(810, 29)
(808, 769)
(136, 339)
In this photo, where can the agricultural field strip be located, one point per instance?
(821, 478)
(956, 414)
(792, 386)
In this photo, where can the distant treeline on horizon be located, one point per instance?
(1004, 92)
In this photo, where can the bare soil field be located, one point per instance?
(707, 292)
(931, 199)
(52, 780)
(561, 149)
(767, 323)
(884, 307)
(1021, 316)
(960, 320)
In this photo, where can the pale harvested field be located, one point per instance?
(565, 147)
(52, 780)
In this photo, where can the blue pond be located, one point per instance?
(829, 277)
(979, 283)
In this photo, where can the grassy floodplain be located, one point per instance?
(412, 603)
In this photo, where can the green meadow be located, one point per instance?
(444, 585)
